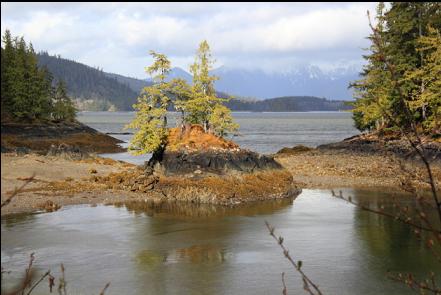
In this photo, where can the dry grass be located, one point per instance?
(194, 138)
(209, 189)
(218, 189)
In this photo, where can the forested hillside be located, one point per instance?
(94, 89)
(91, 88)
(288, 104)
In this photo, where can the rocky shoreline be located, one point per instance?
(224, 176)
(42, 137)
(391, 144)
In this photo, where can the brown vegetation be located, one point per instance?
(210, 189)
(193, 138)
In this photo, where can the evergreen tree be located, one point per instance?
(222, 121)
(203, 98)
(198, 104)
(427, 98)
(8, 74)
(64, 110)
(151, 116)
(398, 69)
(372, 91)
(181, 93)
(27, 91)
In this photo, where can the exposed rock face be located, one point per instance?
(211, 161)
(373, 145)
(47, 137)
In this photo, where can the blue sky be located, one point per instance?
(268, 36)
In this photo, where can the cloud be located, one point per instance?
(118, 36)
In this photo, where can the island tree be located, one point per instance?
(151, 109)
(204, 100)
(197, 103)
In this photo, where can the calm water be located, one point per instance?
(189, 249)
(261, 132)
(144, 249)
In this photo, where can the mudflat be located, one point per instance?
(59, 181)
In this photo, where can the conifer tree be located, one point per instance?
(222, 121)
(27, 91)
(428, 96)
(64, 110)
(181, 93)
(151, 116)
(371, 92)
(204, 98)
(392, 89)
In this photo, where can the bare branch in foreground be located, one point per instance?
(418, 286)
(105, 288)
(308, 285)
(284, 292)
(17, 191)
(406, 220)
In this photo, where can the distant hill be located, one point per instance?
(288, 104)
(135, 84)
(92, 88)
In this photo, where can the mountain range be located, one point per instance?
(304, 80)
(94, 89)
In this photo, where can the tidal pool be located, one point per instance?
(184, 248)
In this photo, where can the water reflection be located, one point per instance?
(181, 248)
(185, 210)
(394, 245)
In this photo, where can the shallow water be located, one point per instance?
(260, 132)
(190, 249)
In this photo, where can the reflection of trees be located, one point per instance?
(185, 210)
(201, 254)
(393, 243)
(14, 219)
(180, 249)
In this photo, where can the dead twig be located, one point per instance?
(105, 288)
(308, 285)
(17, 191)
(39, 281)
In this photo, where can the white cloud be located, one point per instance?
(118, 36)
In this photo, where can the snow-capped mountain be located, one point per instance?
(301, 81)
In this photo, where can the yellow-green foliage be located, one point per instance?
(428, 96)
(400, 85)
(203, 95)
(182, 93)
(198, 103)
(222, 121)
(151, 116)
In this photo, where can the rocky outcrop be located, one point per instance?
(215, 162)
(199, 167)
(372, 144)
(43, 137)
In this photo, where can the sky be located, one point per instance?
(274, 37)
